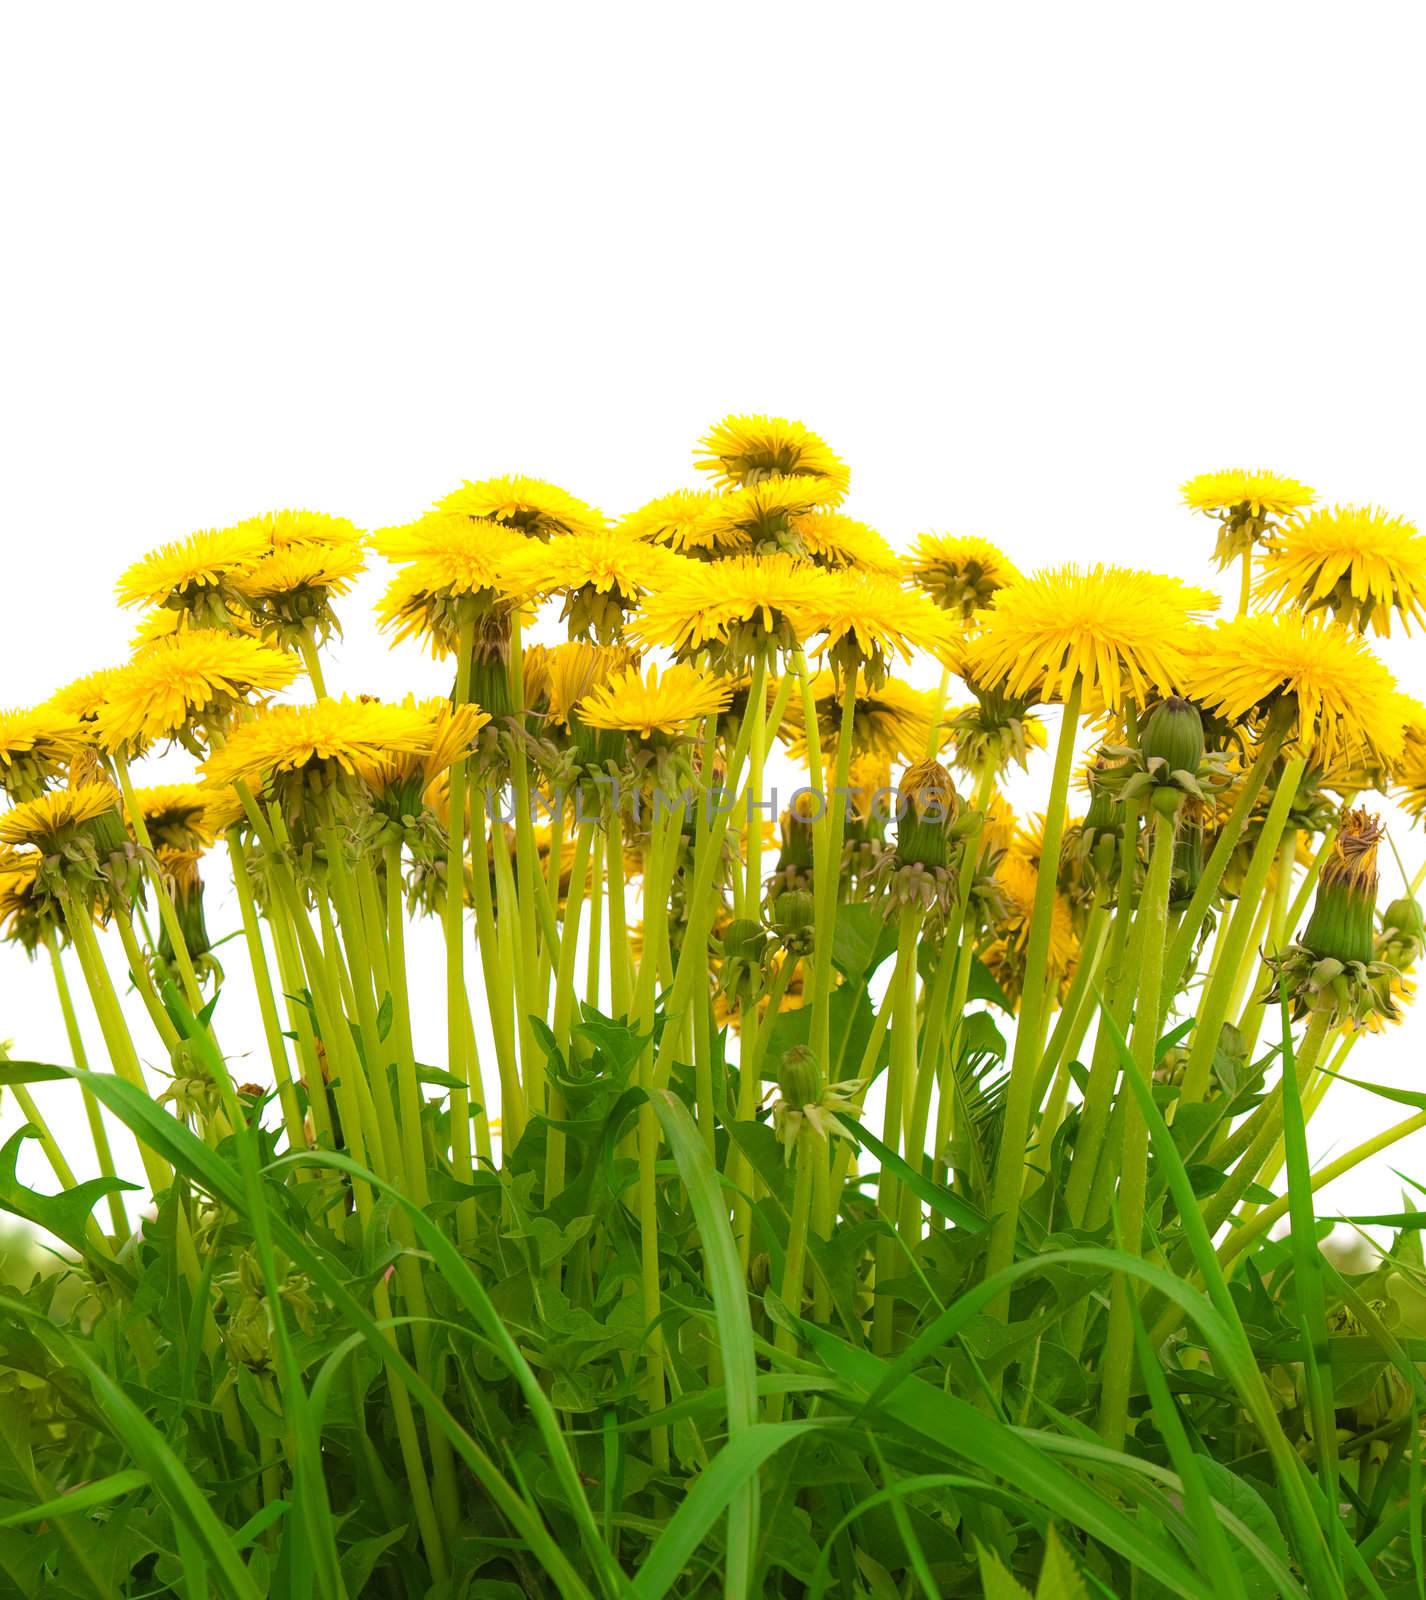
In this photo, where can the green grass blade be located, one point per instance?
(85, 1498)
(713, 1491)
(730, 1304)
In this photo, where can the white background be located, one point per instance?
(1027, 267)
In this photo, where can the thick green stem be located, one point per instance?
(900, 1071)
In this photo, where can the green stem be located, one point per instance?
(1117, 1365)
(900, 1071)
(811, 1152)
(1213, 1008)
(1010, 1160)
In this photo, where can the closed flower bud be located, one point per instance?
(743, 940)
(1173, 734)
(799, 1078)
(794, 914)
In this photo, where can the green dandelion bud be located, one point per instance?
(799, 1078)
(926, 814)
(1343, 922)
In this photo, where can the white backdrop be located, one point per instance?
(1026, 267)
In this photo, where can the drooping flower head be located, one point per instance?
(832, 539)
(55, 819)
(1345, 705)
(36, 747)
(1359, 563)
(526, 506)
(600, 577)
(290, 592)
(1248, 504)
(176, 815)
(688, 522)
(197, 576)
(186, 687)
(732, 608)
(750, 449)
(651, 703)
(891, 722)
(1122, 632)
(961, 574)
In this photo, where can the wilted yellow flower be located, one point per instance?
(651, 702)
(48, 823)
(1247, 504)
(1120, 631)
(687, 522)
(960, 573)
(196, 575)
(750, 449)
(834, 540)
(192, 680)
(522, 505)
(732, 606)
(36, 747)
(1359, 563)
(1347, 706)
(350, 736)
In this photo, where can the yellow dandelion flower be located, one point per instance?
(36, 747)
(222, 809)
(26, 911)
(576, 670)
(891, 722)
(750, 449)
(176, 815)
(1016, 874)
(600, 577)
(1247, 504)
(290, 592)
(85, 697)
(196, 574)
(867, 619)
(1410, 770)
(648, 703)
(1347, 708)
(192, 680)
(834, 540)
(300, 571)
(403, 776)
(451, 564)
(766, 512)
(732, 606)
(960, 573)
(286, 530)
(1120, 631)
(50, 821)
(688, 523)
(522, 505)
(330, 736)
(1359, 563)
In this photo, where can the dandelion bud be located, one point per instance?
(743, 940)
(927, 810)
(794, 915)
(799, 1078)
(1173, 734)
(1341, 927)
